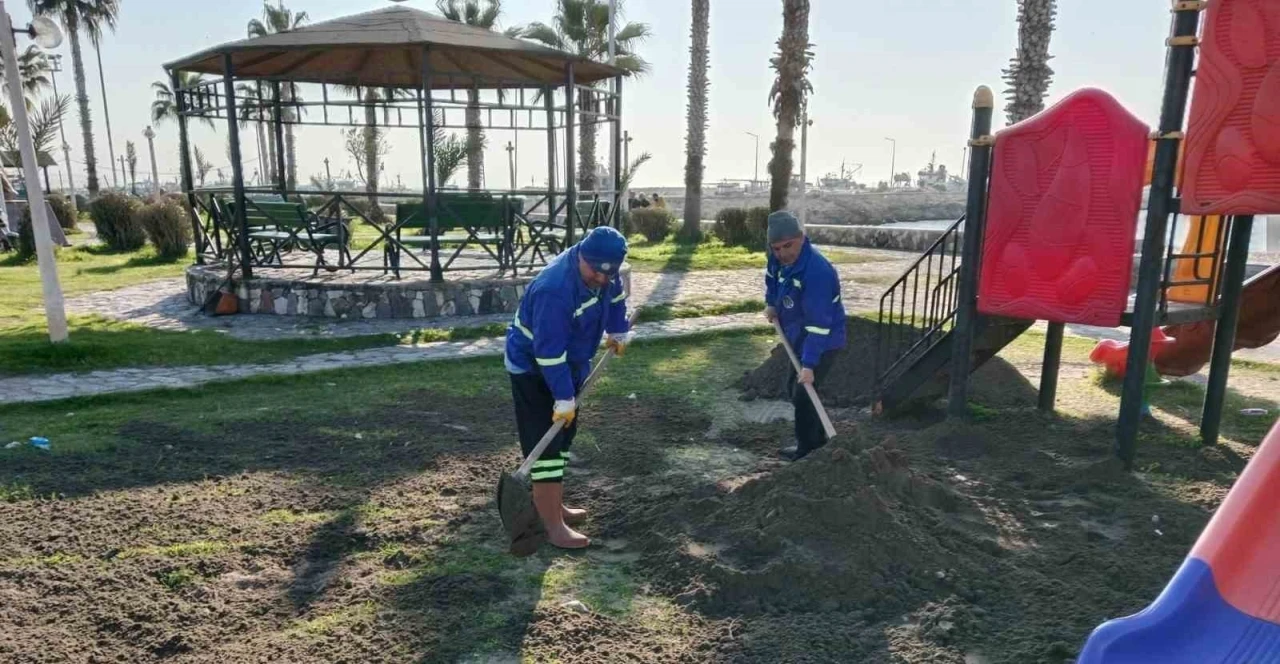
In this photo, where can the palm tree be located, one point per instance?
(482, 14)
(165, 107)
(1029, 73)
(696, 140)
(33, 69)
(131, 159)
(581, 27)
(89, 16)
(279, 19)
(253, 107)
(788, 94)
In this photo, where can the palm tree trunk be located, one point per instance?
(1029, 73)
(792, 64)
(106, 114)
(371, 153)
(696, 142)
(475, 142)
(82, 100)
(291, 155)
(262, 150)
(587, 142)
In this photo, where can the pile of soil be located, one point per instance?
(849, 383)
(842, 530)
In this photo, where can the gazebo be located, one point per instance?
(430, 74)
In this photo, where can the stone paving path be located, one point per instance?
(163, 304)
(61, 386)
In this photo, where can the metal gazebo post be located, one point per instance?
(184, 164)
(237, 170)
(428, 127)
(570, 156)
(277, 133)
(1178, 66)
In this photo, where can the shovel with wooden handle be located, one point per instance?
(813, 394)
(515, 506)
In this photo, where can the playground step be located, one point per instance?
(927, 376)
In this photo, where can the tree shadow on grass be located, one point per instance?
(135, 262)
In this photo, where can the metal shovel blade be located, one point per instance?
(519, 517)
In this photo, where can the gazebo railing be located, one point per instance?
(528, 234)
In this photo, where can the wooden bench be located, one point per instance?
(282, 226)
(461, 219)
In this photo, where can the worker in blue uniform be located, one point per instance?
(802, 293)
(565, 312)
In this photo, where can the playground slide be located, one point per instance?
(1223, 604)
(1259, 325)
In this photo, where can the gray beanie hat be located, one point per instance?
(783, 226)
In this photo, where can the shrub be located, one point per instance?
(62, 210)
(82, 202)
(168, 228)
(757, 228)
(655, 224)
(115, 218)
(743, 227)
(26, 235)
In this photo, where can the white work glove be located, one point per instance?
(565, 411)
(619, 341)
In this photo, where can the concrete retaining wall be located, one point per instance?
(876, 237)
(410, 299)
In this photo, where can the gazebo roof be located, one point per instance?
(11, 159)
(384, 48)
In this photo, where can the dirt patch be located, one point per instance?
(844, 529)
(849, 383)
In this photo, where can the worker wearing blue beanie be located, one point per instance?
(802, 294)
(565, 311)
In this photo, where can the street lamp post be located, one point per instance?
(893, 161)
(55, 312)
(55, 66)
(755, 177)
(151, 146)
(511, 163)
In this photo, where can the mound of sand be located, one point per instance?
(843, 529)
(850, 382)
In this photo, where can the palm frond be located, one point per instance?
(541, 32)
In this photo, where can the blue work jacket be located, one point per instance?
(560, 323)
(806, 295)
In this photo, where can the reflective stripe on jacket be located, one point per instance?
(806, 295)
(560, 323)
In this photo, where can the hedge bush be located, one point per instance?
(115, 216)
(62, 210)
(168, 228)
(757, 228)
(26, 236)
(655, 224)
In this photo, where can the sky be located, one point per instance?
(905, 70)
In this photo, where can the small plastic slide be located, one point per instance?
(1183, 350)
(1223, 604)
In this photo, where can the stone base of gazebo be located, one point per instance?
(361, 295)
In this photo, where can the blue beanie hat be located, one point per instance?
(783, 225)
(604, 249)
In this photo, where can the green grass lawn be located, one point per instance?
(712, 254)
(80, 270)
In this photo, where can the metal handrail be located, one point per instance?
(935, 310)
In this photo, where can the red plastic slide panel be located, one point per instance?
(1066, 186)
(1233, 135)
(1241, 544)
